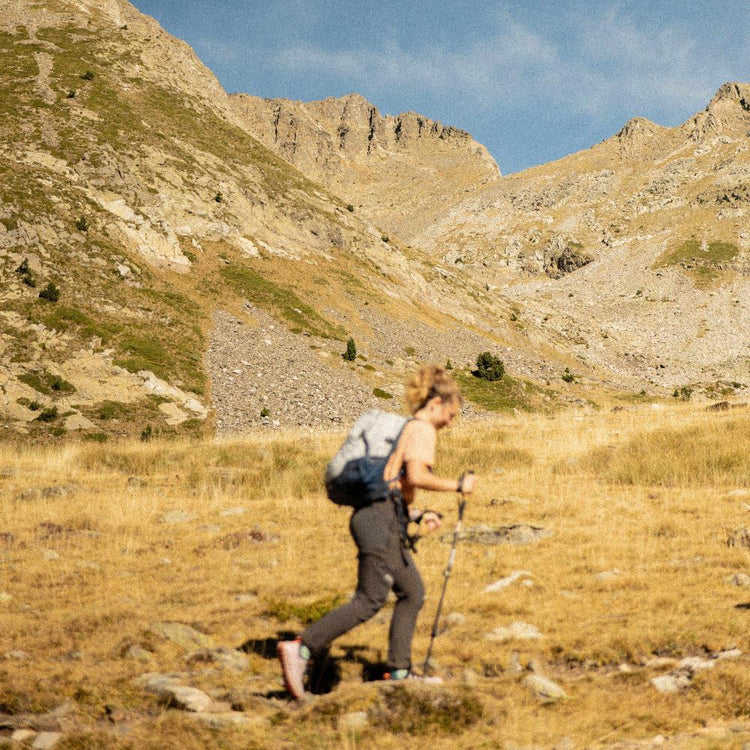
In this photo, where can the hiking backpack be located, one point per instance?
(354, 476)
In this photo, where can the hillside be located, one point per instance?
(632, 257)
(655, 218)
(129, 186)
(162, 270)
(403, 172)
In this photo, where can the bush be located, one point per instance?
(265, 412)
(351, 350)
(380, 393)
(147, 433)
(683, 393)
(50, 292)
(219, 197)
(349, 207)
(489, 367)
(568, 376)
(82, 225)
(88, 76)
(48, 415)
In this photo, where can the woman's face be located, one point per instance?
(444, 412)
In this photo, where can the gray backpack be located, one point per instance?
(354, 476)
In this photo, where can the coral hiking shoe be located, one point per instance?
(293, 667)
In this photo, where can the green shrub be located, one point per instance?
(29, 279)
(147, 433)
(219, 197)
(350, 207)
(380, 393)
(489, 367)
(50, 292)
(96, 437)
(82, 225)
(88, 76)
(60, 385)
(111, 410)
(48, 415)
(351, 350)
(684, 393)
(568, 376)
(385, 238)
(265, 412)
(449, 365)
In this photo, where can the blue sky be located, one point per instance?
(531, 80)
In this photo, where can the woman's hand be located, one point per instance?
(431, 521)
(467, 484)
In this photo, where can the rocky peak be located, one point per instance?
(638, 128)
(727, 114)
(372, 160)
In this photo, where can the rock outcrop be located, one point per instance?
(399, 171)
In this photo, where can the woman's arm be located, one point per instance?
(419, 475)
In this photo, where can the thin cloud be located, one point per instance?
(609, 63)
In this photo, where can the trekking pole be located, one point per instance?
(446, 576)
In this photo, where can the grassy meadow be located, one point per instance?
(100, 542)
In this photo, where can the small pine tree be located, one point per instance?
(568, 376)
(82, 225)
(351, 351)
(50, 292)
(489, 367)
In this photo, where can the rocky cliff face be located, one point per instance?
(401, 172)
(660, 215)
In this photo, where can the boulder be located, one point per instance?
(543, 688)
(182, 635)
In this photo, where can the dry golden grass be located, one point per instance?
(645, 492)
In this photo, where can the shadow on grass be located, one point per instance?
(324, 673)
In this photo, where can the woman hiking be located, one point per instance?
(385, 561)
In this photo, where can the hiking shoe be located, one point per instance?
(293, 667)
(400, 675)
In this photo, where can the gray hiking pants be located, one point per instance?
(384, 565)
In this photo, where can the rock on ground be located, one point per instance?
(545, 689)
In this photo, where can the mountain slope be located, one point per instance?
(631, 256)
(129, 186)
(402, 171)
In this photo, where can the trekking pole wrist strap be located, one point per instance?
(460, 487)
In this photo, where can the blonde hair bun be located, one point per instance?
(426, 383)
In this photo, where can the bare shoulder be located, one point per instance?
(419, 435)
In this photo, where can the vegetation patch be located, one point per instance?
(420, 710)
(505, 394)
(279, 300)
(713, 456)
(380, 393)
(704, 261)
(47, 383)
(284, 610)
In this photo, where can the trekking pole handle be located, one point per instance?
(461, 479)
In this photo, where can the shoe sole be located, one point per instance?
(284, 670)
